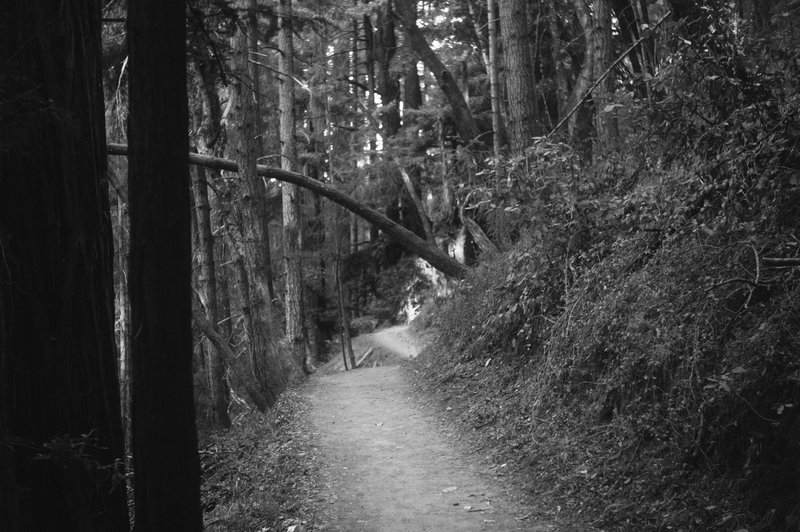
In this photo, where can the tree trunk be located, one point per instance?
(411, 242)
(559, 59)
(494, 80)
(124, 337)
(412, 93)
(388, 82)
(605, 120)
(291, 226)
(580, 123)
(477, 23)
(369, 61)
(215, 363)
(344, 317)
(166, 464)
(465, 123)
(426, 223)
(58, 370)
(263, 396)
(520, 80)
(265, 253)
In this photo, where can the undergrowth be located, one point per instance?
(636, 346)
(257, 476)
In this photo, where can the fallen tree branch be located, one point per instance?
(780, 262)
(364, 356)
(408, 240)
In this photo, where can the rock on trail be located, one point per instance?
(386, 463)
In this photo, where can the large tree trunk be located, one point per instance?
(215, 363)
(388, 80)
(166, 464)
(410, 242)
(291, 226)
(265, 270)
(465, 123)
(58, 381)
(520, 80)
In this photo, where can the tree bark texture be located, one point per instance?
(519, 76)
(465, 123)
(215, 362)
(166, 464)
(412, 92)
(560, 58)
(265, 271)
(58, 371)
(494, 79)
(291, 225)
(580, 122)
(344, 317)
(388, 85)
(602, 55)
(412, 193)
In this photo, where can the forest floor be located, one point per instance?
(365, 450)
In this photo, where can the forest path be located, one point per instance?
(387, 464)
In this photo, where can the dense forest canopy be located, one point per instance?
(602, 194)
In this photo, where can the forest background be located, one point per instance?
(608, 190)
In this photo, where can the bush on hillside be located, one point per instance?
(643, 325)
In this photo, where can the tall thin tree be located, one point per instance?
(291, 225)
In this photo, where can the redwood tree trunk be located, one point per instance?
(291, 225)
(58, 382)
(166, 464)
(494, 79)
(215, 363)
(520, 80)
(388, 80)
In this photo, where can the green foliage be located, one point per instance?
(643, 338)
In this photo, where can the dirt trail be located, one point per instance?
(388, 465)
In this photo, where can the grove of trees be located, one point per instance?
(197, 200)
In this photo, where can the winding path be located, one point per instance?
(388, 464)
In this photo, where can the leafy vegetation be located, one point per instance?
(636, 347)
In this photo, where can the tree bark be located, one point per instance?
(344, 317)
(559, 59)
(520, 81)
(426, 223)
(59, 402)
(215, 363)
(166, 463)
(412, 93)
(411, 242)
(388, 81)
(465, 122)
(264, 272)
(494, 80)
(295, 334)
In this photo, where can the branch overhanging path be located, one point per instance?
(410, 241)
